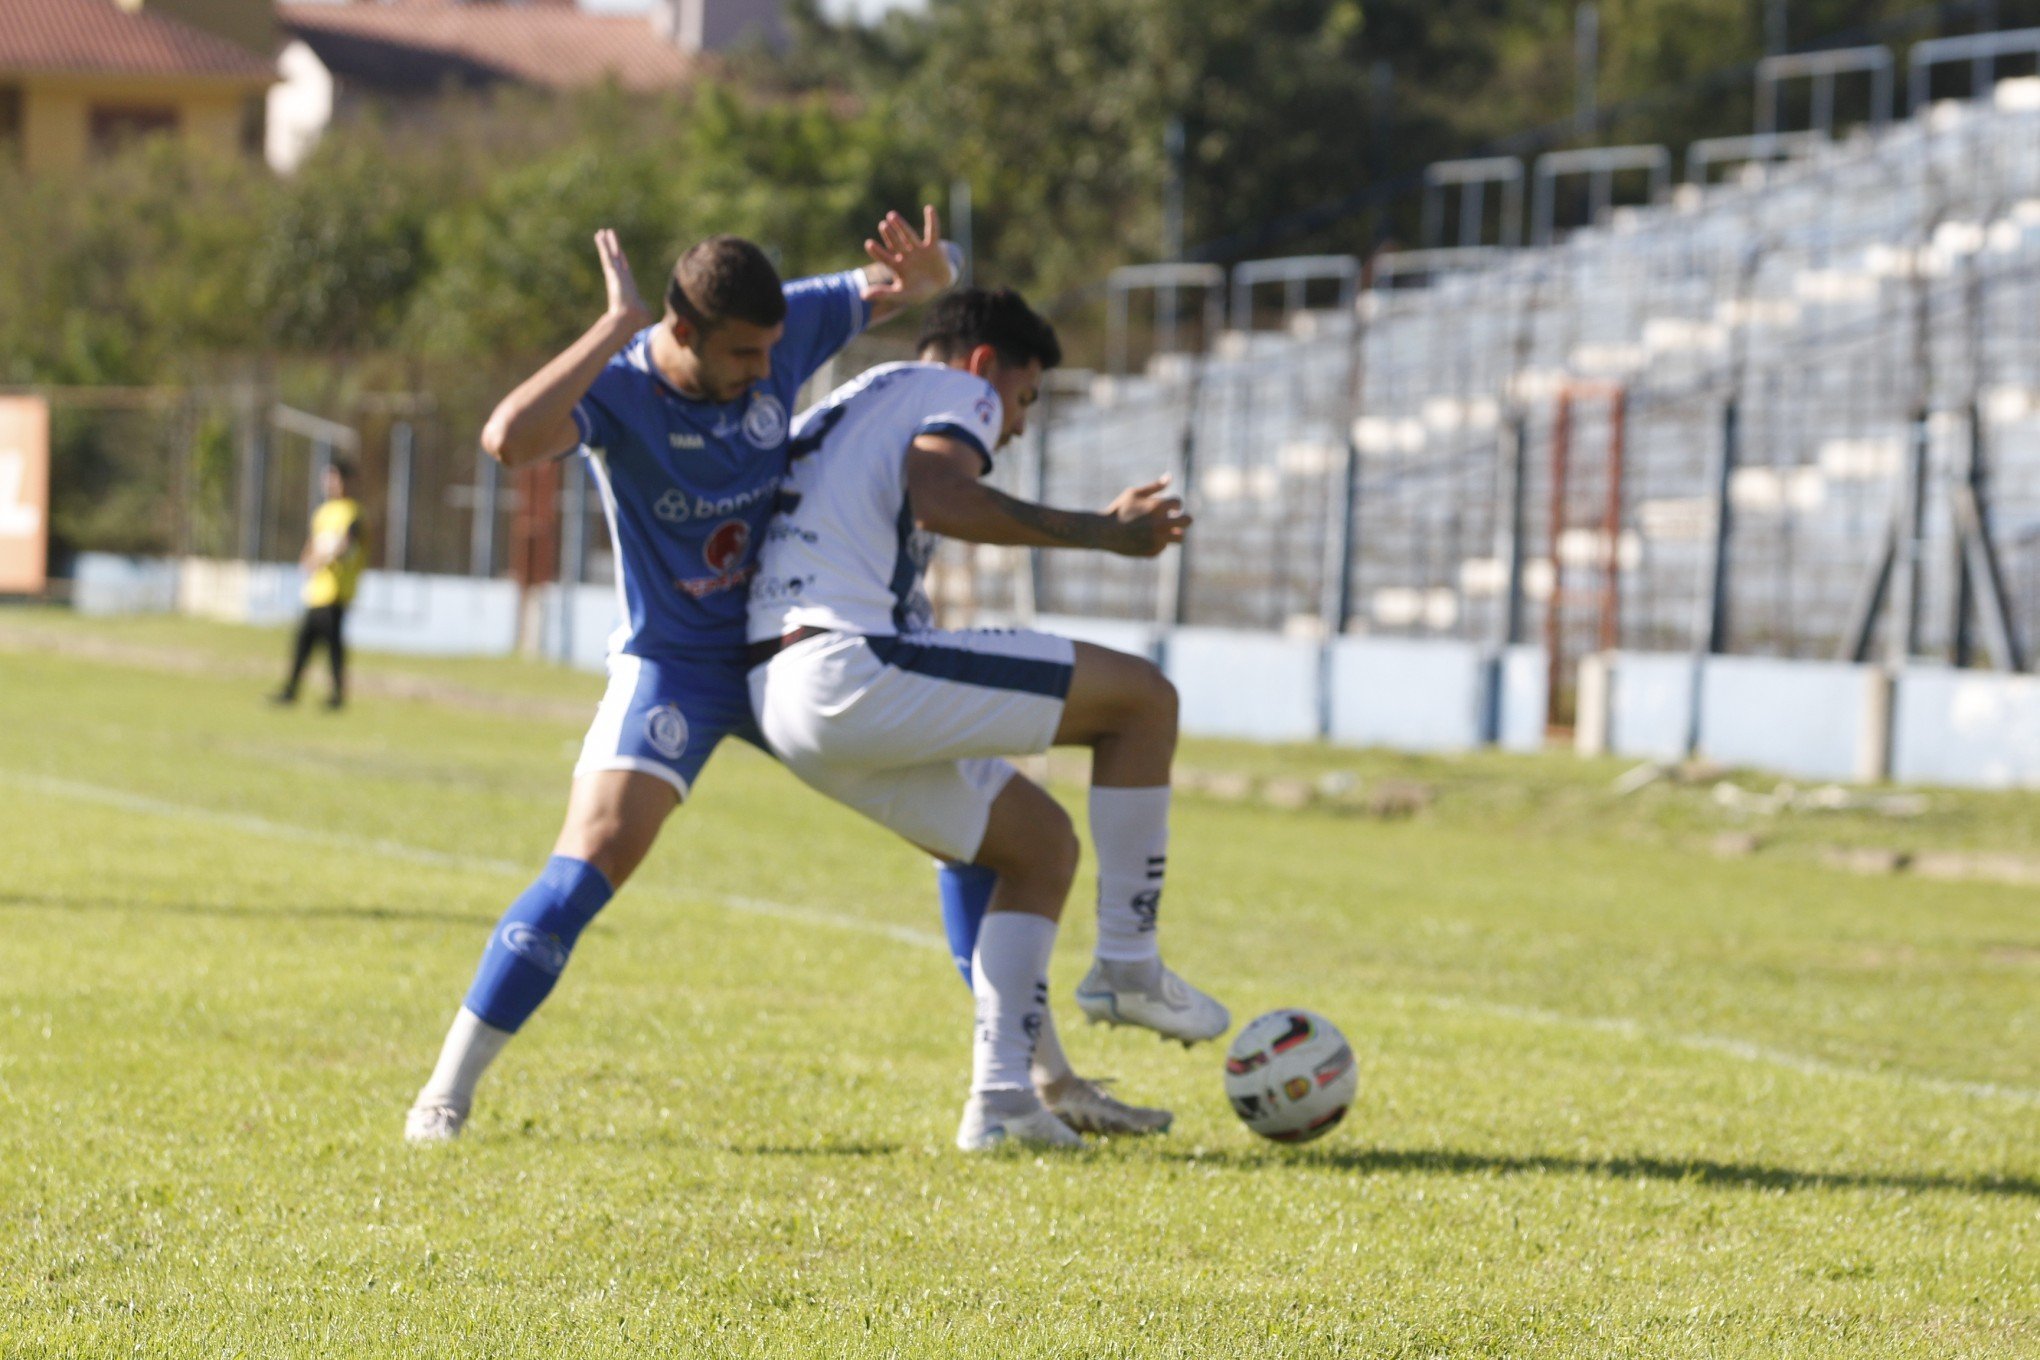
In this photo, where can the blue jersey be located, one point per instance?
(688, 485)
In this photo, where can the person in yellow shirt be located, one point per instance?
(334, 555)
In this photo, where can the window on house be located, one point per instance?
(116, 125)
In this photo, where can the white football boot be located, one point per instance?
(433, 1122)
(1144, 993)
(1087, 1107)
(981, 1130)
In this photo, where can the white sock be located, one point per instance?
(471, 1045)
(1010, 980)
(1130, 836)
(1051, 1064)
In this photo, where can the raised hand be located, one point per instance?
(1150, 521)
(912, 268)
(625, 302)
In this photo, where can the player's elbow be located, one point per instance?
(496, 438)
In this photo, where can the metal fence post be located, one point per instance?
(1713, 637)
(1904, 642)
(1510, 530)
(1710, 638)
(1036, 574)
(573, 554)
(322, 458)
(254, 474)
(482, 534)
(397, 538)
(1172, 600)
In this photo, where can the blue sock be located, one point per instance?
(966, 892)
(530, 944)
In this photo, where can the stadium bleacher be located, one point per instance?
(1835, 299)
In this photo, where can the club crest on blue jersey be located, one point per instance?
(666, 729)
(765, 421)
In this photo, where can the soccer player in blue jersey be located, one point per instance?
(683, 418)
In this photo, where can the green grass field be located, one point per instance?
(1618, 1096)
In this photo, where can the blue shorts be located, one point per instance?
(664, 716)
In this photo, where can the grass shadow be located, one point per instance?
(820, 1150)
(1698, 1171)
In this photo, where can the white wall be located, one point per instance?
(1796, 717)
(1525, 683)
(1259, 686)
(1651, 704)
(104, 583)
(1966, 727)
(1810, 719)
(1415, 696)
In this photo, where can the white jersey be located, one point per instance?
(842, 551)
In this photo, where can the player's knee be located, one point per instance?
(606, 840)
(1059, 850)
(1149, 701)
(1161, 697)
(1038, 855)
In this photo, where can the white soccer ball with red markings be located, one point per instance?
(1290, 1076)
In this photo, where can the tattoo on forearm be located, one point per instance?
(1070, 528)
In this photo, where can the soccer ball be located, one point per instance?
(1290, 1076)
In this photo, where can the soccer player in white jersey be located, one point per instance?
(863, 698)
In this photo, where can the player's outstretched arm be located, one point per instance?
(948, 499)
(536, 421)
(907, 270)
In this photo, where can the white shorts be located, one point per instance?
(909, 730)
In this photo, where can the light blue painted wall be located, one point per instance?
(1415, 696)
(433, 615)
(591, 615)
(1525, 685)
(1121, 635)
(1796, 717)
(1966, 727)
(103, 583)
(1650, 705)
(1258, 686)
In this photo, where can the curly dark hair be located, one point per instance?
(999, 317)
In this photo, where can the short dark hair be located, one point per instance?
(342, 468)
(725, 277)
(961, 321)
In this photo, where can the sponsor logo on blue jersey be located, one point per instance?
(725, 552)
(678, 506)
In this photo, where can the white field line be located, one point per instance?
(1741, 1049)
(1630, 1030)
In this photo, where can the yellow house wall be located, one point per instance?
(56, 114)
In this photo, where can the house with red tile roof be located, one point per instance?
(80, 77)
(339, 57)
